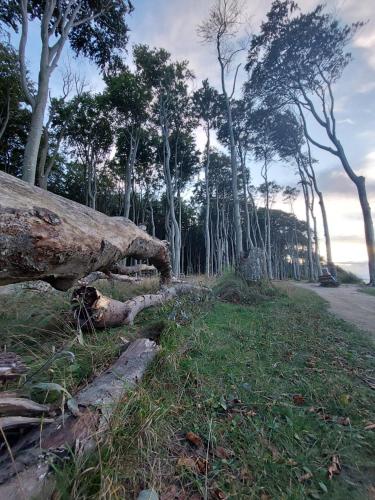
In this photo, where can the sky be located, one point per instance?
(172, 24)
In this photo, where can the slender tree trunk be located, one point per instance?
(207, 214)
(175, 236)
(311, 174)
(249, 242)
(36, 128)
(307, 210)
(233, 157)
(360, 183)
(6, 119)
(129, 167)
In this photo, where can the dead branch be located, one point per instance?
(25, 473)
(93, 309)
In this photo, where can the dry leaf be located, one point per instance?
(246, 475)
(223, 453)
(292, 462)
(298, 399)
(202, 465)
(305, 477)
(369, 427)
(219, 494)
(187, 462)
(194, 439)
(334, 468)
(343, 420)
(251, 413)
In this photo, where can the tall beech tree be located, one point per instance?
(90, 136)
(11, 93)
(171, 110)
(94, 28)
(206, 106)
(130, 96)
(297, 58)
(219, 29)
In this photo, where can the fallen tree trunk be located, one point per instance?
(93, 309)
(46, 237)
(24, 475)
(99, 275)
(120, 268)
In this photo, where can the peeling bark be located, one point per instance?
(92, 309)
(99, 275)
(46, 237)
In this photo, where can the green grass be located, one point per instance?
(228, 372)
(367, 290)
(37, 325)
(347, 277)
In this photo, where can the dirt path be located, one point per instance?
(349, 304)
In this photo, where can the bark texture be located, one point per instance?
(92, 309)
(25, 476)
(44, 236)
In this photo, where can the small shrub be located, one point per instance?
(235, 290)
(347, 277)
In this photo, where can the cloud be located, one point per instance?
(335, 182)
(349, 121)
(366, 87)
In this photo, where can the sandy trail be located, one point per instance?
(348, 303)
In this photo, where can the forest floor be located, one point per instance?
(349, 302)
(277, 393)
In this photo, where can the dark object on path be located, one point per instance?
(327, 280)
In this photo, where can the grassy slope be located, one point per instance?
(367, 290)
(230, 375)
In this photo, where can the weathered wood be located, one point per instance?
(44, 236)
(7, 423)
(11, 365)
(253, 267)
(120, 268)
(93, 309)
(27, 469)
(99, 275)
(14, 406)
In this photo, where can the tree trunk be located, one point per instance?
(36, 128)
(175, 236)
(233, 157)
(246, 207)
(309, 239)
(45, 236)
(207, 214)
